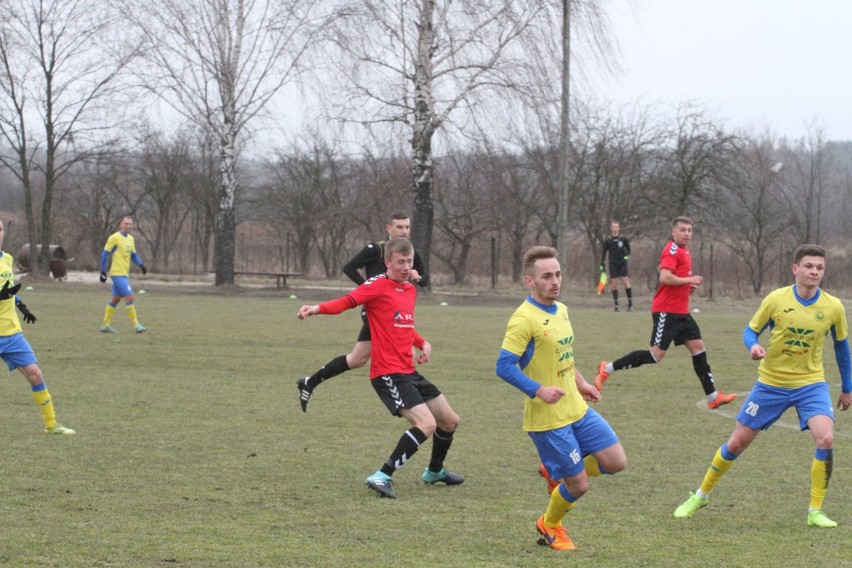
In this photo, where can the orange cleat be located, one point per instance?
(551, 484)
(602, 376)
(721, 398)
(555, 537)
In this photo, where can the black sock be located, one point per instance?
(615, 296)
(407, 446)
(629, 292)
(441, 442)
(333, 368)
(702, 369)
(633, 359)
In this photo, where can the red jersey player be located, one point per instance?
(389, 300)
(672, 320)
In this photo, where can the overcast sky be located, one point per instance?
(776, 64)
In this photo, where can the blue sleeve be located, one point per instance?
(507, 369)
(750, 337)
(135, 258)
(104, 258)
(844, 362)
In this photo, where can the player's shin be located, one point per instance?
(820, 475)
(45, 405)
(722, 462)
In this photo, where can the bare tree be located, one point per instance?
(806, 174)
(59, 64)
(421, 62)
(218, 64)
(750, 214)
(696, 148)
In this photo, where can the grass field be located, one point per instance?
(192, 450)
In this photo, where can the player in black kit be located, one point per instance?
(618, 248)
(371, 259)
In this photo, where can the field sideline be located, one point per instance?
(192, 450)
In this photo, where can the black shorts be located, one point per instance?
(679, 328)
(364, 334)
(618, 270)
(401, 390)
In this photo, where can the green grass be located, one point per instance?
(192, 450)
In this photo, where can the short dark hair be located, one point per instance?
(807, 250)
(682, 219)
(400, 245)
(398, 215)
(537, 253)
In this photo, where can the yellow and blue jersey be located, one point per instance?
(798, 329)
(122, 247)
(9, 322)
(538, 350)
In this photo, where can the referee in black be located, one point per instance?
(618, 248)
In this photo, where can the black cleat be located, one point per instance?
(443, 476)
(305, 392)
(381, 484)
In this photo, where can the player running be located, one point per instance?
(672, 320)
(389, 300)
(14, 348)
(573, 441)
(790, 375)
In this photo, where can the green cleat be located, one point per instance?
(817, 518)
(59, 429)
(690, 506)
(108, 329)
(442, 476)
(140, 328)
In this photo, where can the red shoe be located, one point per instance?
(551, 484)
(721, 398)
(602, 376)
(554, 537)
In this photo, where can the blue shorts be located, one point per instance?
(562, 450)
(16, 351)
(121, 286)
(765, 404)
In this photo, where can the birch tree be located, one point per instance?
(218, 64)
(431, 64)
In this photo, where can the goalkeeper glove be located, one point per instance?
(102, 277)
(7, 292)
(144, 270)
(28, 315)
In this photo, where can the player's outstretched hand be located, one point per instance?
(102, 277)
(28, 315)
(307, 311)
(8, 291)
(144, 270)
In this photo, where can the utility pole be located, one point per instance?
(564, 139)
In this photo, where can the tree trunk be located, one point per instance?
(226, 230)
(421, 139)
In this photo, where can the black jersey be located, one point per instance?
(372, 259)
(618, 249)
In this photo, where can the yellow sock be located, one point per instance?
(820, 474)
(718, 467)
(593, 468)
(131, 313)
(557, 509)
(45, 404)
(110, 311)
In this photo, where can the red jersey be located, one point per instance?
(673, 299)
(390, 312)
